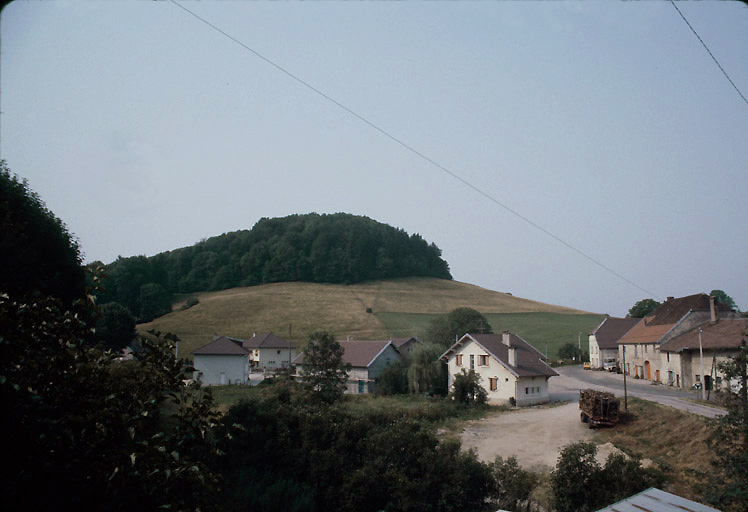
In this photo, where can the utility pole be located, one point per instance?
(625, 393)
(701, 357)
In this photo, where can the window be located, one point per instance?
(458, 359)
(636, 350)
(279, 351)
(698, 378)
(483, 360)
(646, 348)
(527, 391)
(472, 362)
(668, 357)
(493, 383)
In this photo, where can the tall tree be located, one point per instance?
(725, 299)
(642, 308)
(38, 252)
(324, 372)
(115, 326)
(456, 323)
(426, 372)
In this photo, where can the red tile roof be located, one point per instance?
(222, 346)
(656, 324)
(726, 333)
(611, 329)
(530, 362)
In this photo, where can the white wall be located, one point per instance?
(233, 368)
(274, 357)
(508, 386)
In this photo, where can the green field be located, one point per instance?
(399, 307)
(541, 330)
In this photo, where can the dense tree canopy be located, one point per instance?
(456, 323)
(324, 373)
(725, 299)
(642, 308)
(115, 326)
(338, 248)
(38, 253)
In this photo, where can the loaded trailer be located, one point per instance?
(598, 408)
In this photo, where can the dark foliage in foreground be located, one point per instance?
(324, 458)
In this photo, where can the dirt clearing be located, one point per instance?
(534, 435)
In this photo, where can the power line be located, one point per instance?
(710, 53)
(414, 151)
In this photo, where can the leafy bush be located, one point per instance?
(192, 301)
(467, 389)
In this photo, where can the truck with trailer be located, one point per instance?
(598, 408)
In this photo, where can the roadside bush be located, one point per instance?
(513, 484)
(393, 380)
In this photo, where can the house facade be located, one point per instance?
(406, 345)
(640, 349)
(268, 351)
(221, 362)
(509, 367)
(367, 359)
(603, 341)
(694, 357)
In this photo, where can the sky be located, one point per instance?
(607, 124)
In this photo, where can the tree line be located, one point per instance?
(337, 248)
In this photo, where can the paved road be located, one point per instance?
(573, 378)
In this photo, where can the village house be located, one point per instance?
(511, 369)
(406, 345)
(222, 361)
(640, 348)
(228, 360)
(603, 342)
(268, 351)
(696, 354)
(367, 359)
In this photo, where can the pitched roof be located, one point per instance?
(655, 325)
(222, 346)
(726, 333)
(267, 340)
(611, 329)
(360, 354)
(530, 362)
(672, 310)
(399, 342)
(656, 500)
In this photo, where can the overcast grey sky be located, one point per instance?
(607, 124)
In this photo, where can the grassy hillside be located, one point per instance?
(399, 307)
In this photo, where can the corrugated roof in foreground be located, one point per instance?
(656, 500)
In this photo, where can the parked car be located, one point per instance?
(586, 365)
(610, 364)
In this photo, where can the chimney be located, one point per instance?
(670, 299)
(713, 308)
(505, 338)
(512, 356)
(216, 336)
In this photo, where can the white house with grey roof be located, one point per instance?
(509, 367)
(221, 362)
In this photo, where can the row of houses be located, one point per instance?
(680, 343)
(511, 370)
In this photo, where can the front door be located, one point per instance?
(222, 379)
(647, 370)
(657, 375)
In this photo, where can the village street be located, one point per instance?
(536, 435)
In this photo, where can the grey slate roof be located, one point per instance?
(612, 329)
(266, 340)
(656, 500)
(530, 362)
(360, 354)
(222, 346)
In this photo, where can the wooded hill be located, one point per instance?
(399, 307)
(338, 248)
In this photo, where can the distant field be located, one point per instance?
(541, 330)
(399, 307)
